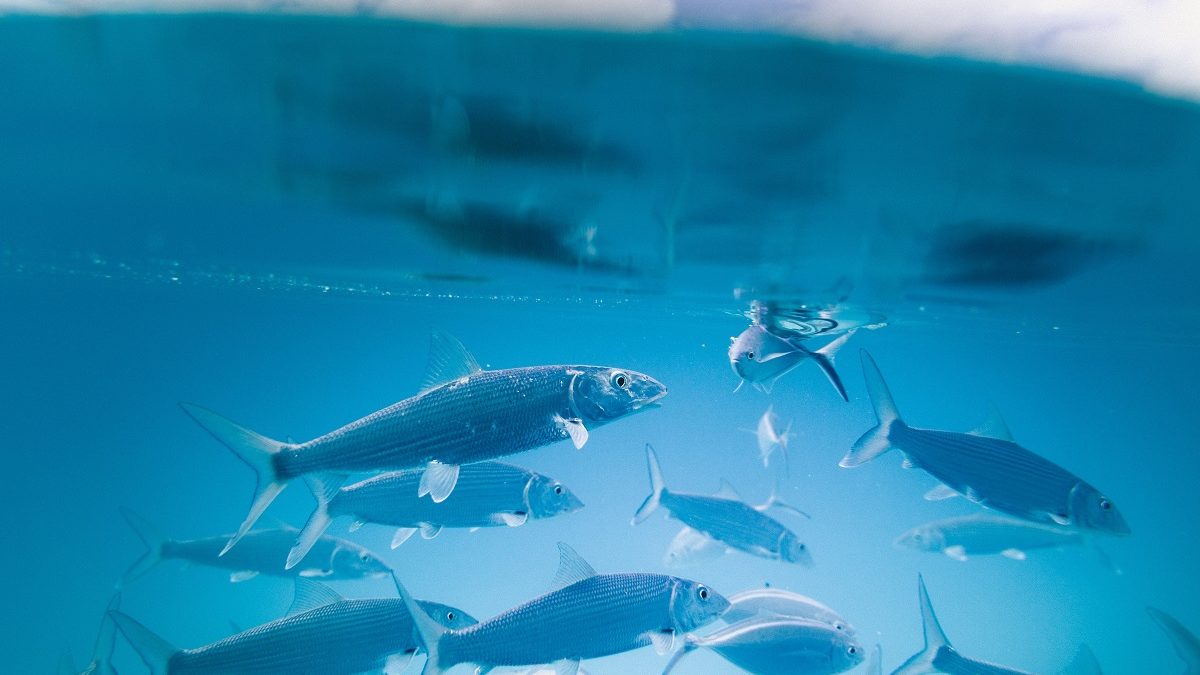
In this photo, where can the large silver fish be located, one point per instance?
(101, 663)
(986, 534)
(488, 494)
(761, 356)
(766, 603)
(323, 633)
(994, 472)
(726, 519)
(261, 552)
(938, 655)
(463, 414)
(585, 615)
(1187, 646)
(779, 646)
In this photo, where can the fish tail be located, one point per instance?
(428, 630)
(151, 537)
(689, 646)
(824, 358)
(656, 487)
(877, 440)
(254, 449)
(935, 638)
(156, 652)
(325, 487)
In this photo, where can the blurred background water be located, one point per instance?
(268, 215)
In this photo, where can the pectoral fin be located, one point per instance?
(956, 553)
(512, 519)
(438, 481)
(1013, 553)
(575, 429)
(402, 535)
(663, 641)
(941, 492)
(430, 530)
(243, 575)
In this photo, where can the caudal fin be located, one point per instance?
(254, 449)
(689, 645)
(935, 637)
(151, 537)
(824, 358)
(324, 488)
(876, 441)
(428, 630)
(155, 651)
(656, 487)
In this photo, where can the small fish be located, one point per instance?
(760, 356)
(726, 519)
(101, 663)
(762, 603)
(1187, 646)
(939, 656)
(584, 615)
(323, 633)
(463, 414)
(690, 547)
(779, 646)
(770, 438)
(993, 472)
(985, 534)
(487, 494)
(261, 552)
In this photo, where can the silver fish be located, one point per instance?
(763, 603)
(779, 646)
(760, 356)
(939, 656)
(1186, 645)
(488, 494)
(585, 615)
(101, 663)
(726, 519)
(261, 552)
(994, 472)
(770, 438)
(463, 414)
(986, 534)
(323, 633)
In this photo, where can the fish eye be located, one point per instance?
(750, 355)
(1105, 505)
(702, 592)
(620, 379)
(851, 650)
(449, 616)
(558, 489)
(803, 547)
(838, 625)
(364, 556)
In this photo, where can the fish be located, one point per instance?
(690, 547)
(584, 615)
(779, 646)
(488, 494)
(770, 438)
(875, 663)
(761, 356)
(1186, 645)
(938, 655)
(990, 471)
(323, 633)
(461, 415)
(765, 603)
(262, 553)
(726, 519)
(101, 663)
(987, 534)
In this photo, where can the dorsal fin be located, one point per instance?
(448, 361)
(311, 595)
(571, 568)
(993, 426)
(727, 491)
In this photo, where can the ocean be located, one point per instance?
(269, 215)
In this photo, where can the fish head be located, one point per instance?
(793, 550)
(356, 562)
(547, 497)
(845, 652)
(1092, 510)
(600, 394)
(450, 617)
(694, 604)
(923, 538)
(757, 356)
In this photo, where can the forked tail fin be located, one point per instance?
(656, 487)
(254, 449)
(824, 358)
(876, 441)
(155, 651)
(428, 629)
(689, 646)
(324, 487)
(153, 540)
(935, 638)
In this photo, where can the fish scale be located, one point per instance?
(601, 615)
(482, 490)
(471, 419)
(731, 522)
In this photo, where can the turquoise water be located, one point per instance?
(268, 216)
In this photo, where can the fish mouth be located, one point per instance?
(652, 401)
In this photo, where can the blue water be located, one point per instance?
(268, 216)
